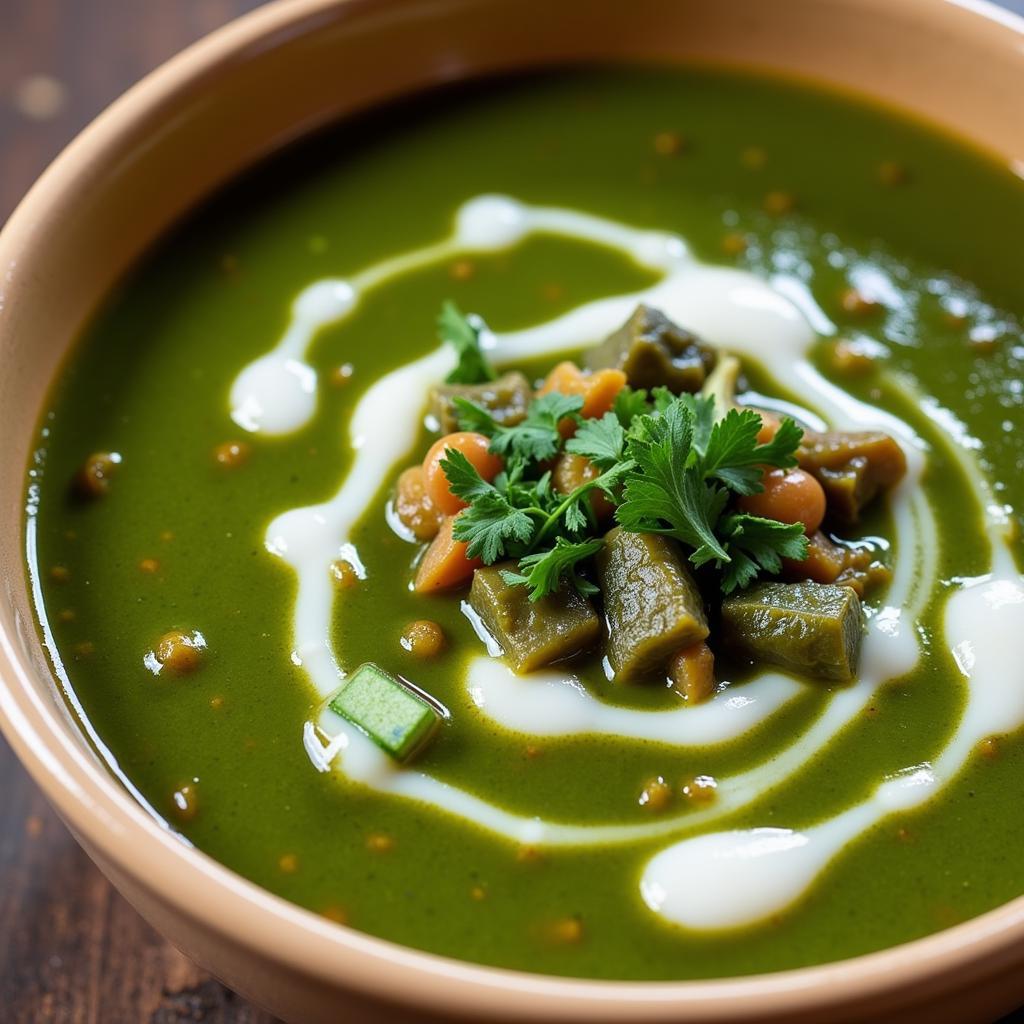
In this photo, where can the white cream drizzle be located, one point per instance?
(712, 880)
(552, 703)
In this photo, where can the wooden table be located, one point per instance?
(71, 950)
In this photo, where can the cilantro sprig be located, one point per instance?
(535, 439)
(688, 466)
(463, 334)
(670, 464)
(549, 533)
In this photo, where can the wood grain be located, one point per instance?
(72, 951)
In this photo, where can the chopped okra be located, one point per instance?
(651, 603)
(532, 633)
(852, 467)
(654, 352)
(813, 629)
(389, 712)
(506, 399)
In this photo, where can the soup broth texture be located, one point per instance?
(216, 545)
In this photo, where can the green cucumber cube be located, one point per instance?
(392, 715)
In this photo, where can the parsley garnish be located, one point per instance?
(544, 571)
(688, 466)
(601, 441)
(463, 334)
(536, 439)
(667, 463)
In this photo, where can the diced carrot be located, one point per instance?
(474, 446)
(692, 671)
(598, 390)
(444, 564)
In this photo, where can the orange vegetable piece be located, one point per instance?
(789, 496)
(435, 483)
(598, 390)
(445, 564)
(692, 671)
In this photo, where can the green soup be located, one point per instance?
(813, 195)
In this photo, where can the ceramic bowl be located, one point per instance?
(211, 112)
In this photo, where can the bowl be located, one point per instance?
(242, 93)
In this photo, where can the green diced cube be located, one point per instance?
(813, 629)
(391, 714)
(652, 606)
(532, 634)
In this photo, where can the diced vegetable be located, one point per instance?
(598, 390)
(413, 507)
(475, 448)
(692, 671)
(571, 471)
(389, 712)
(823, 564)
(811, 629)
(834, 563)
(852, 468)
(506, 399)
(652, 351)
(652, 605)
(532, 634)
(445, 563)
(789, 496)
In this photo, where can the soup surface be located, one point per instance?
(863, 268)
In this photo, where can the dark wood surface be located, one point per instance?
(71, 950)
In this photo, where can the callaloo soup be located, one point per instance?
(196, 609)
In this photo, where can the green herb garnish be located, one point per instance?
(666, 462)
(688, 466)
(463, 334)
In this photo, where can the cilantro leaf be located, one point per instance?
(703, 410)
(756, 544)
(537, 438)
(781, 449)
(463, 334)
(668, 494)
(629, 404)
(473, 417)
(491, 526)
(687, 463)
(543, 571)
(662, 398)
(463, 479)
(601, 441)
(734, 457)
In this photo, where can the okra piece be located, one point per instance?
(654, 352)
(811, 629)
(852, 467)
(532, 634)
(506, 399)
(389, 712)
(652, 606)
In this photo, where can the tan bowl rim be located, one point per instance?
(104, 814)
